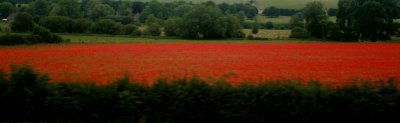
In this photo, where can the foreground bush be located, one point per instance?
(26, 95)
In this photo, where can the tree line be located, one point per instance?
(357, 20)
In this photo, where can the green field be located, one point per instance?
(294, 4)
(280, 20)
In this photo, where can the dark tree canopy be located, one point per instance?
(23, 22)
(315, 16)
(367, 20)
(6, 8)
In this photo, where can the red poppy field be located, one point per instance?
(330, 63)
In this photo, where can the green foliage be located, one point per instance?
(106, 26)
(172, 26)
(153, 26)
(153, 8)
(39, 9)
(271, 12)
(129, 29)
(254, 28)
(70, 8)
(298, 32)
(6, 9)
(81, 25)
(367, 20)
(297, 20)
(100, 11)
(58, 24)
(269, 25)
(315, 16)
(29, 96)
(23, 22)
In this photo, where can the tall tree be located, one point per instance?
(6, 9)
(99, 11)
(40, 8)
(23, 22)
(367, 20)
(271, 12)
(315, 17)
(70, 8)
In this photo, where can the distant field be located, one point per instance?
(280, 19)
(270, 34)
(295, 4)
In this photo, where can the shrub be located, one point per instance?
(269, 25)
(137, 32)
(129, 29)
(11, 40)
(23, 22)
(82, 25)
(154, 29)
(298, 32)
(58, 24)
(106, 26)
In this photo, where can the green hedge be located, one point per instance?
(12, 39)
(26, 95)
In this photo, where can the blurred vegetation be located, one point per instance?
(28, 96)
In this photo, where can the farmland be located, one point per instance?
(330, 63)
(294, 4)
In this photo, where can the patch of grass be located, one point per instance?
(292, 4)
(270, 34)
(280, 20)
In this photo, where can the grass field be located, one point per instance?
(280, 20)
(294, 4)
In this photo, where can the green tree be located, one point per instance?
(153, 26)
(203, 22)
(23, 22)
(155, 8)
(106, 26)
(271, 12)
(182, 10)
(82, 25)
(315, 16)
(171, 26)
(232, 26)
(70, 8)
(99, 11)
(367, 20)
(254, 27)
(40, 8)
(6, 9)
(58, 24)
(297, 20)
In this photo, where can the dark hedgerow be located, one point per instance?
(27, 96)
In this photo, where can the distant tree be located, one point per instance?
(172, 26)
(271, 12)
(70, 8)
(6, 9)
(315, 16)
(367, 20)
(232, 27)
(40, 8)
(58, 24)
(242, 17)
(269, 25)
(99, 11)
(182, 10)
(332, 12)
(155, 8)
(297, 20)
(153, 26)
(255, 26)
(106, 26)
(23, 22)
(129, 29)
(203, 22)
(82, 25)
(137, 7)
